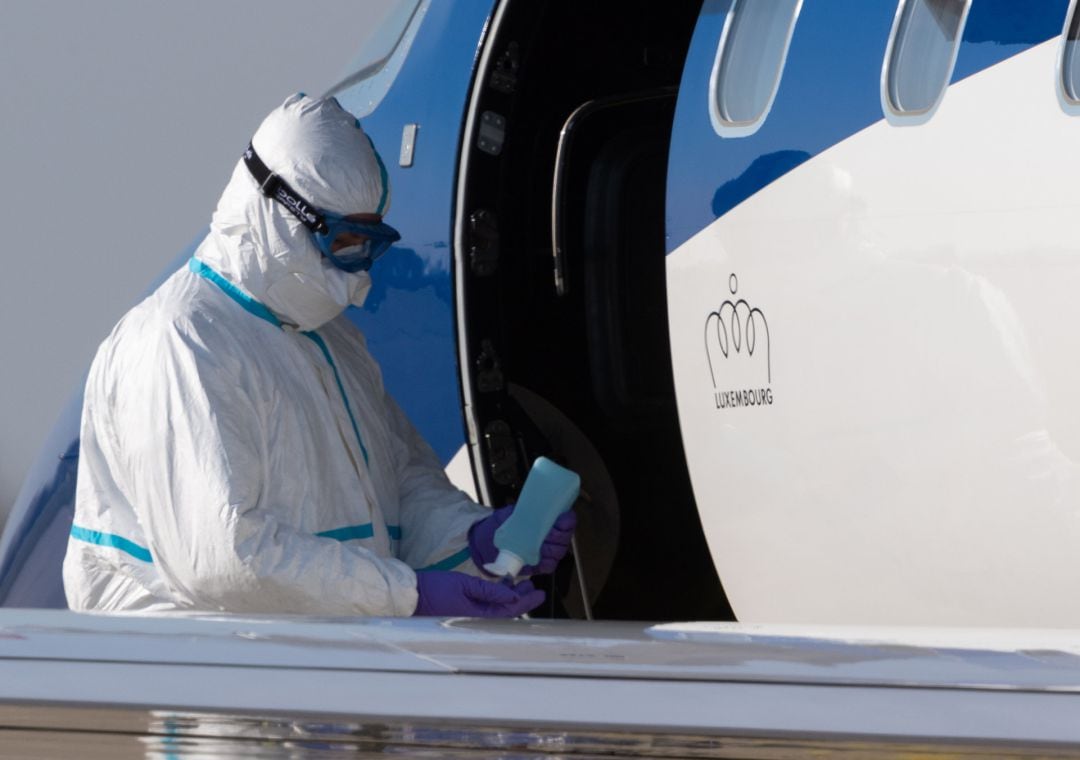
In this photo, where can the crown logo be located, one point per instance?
(737, 329)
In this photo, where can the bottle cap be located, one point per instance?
(507, 563)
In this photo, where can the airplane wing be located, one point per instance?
(230, 685)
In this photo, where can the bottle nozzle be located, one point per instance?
(507, 563)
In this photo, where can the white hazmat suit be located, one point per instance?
(230, 459)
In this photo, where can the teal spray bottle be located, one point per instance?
(549, 491)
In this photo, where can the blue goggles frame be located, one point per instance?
(355, 257)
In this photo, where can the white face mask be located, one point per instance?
(361, 289)
(310, 302)
(351, 250)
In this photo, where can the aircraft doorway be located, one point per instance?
(561, 291)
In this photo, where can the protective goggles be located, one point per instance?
(358, 244)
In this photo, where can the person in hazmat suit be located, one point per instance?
(238, 449)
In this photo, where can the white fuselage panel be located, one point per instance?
(902, 444)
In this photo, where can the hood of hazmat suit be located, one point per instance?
(239, 451)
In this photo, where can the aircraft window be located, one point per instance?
(922, 52)
(1070, 58)
(749, 61)
(380, 58)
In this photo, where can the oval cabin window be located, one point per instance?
(921, 54)
(1069, 80)
(749, 62)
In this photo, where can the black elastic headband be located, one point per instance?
(273, 186)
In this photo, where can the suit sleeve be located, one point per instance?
(435, 515)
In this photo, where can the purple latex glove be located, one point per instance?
(556, 543)
(444, 593)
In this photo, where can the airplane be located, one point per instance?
(790, 284)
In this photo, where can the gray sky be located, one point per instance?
(122, 121)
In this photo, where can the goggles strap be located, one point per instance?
(274, 187)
